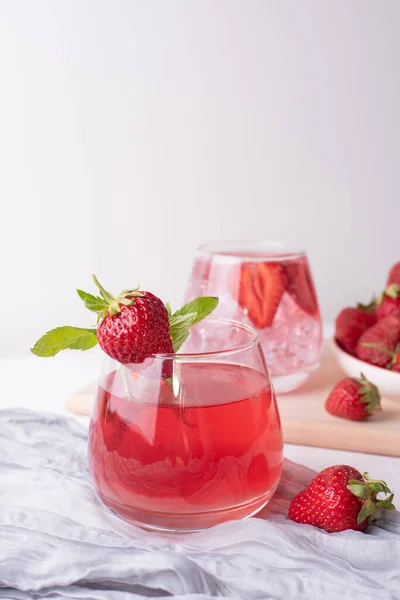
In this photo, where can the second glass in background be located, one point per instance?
(270, 287)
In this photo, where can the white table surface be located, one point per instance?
(44, 384)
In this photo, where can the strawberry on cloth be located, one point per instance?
(340, 498)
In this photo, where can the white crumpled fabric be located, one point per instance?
(57, 540)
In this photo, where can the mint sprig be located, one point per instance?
(179, 328)
(202, 307)
(107, 305)
(191, 313)
(61, 338)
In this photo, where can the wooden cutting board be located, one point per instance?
(305, 420)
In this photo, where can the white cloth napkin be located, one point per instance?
(57, 540)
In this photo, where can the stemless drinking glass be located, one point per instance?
(270, 287)
(185, 441)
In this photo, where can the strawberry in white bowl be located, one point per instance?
(367, 338)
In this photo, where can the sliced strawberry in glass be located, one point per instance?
(300, 285)
(260, 291)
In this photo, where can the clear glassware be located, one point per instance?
(185, 441)
(269, 286)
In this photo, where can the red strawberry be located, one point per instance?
(384, 334)
(300, 285)
(261, 287)
(350, 325)
(354, 399)
(341, 498)
(394, 364)
(133, 326)
(389, 302)
(394, 275)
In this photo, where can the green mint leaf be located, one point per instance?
(190, 314)
(182, 320)
(93, 303)
(61, 338)
(202, 306)
(179, 328)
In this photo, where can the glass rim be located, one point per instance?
(244, 249)
(192, 356)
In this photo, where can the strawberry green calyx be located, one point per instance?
(368, 307)
(392, 353)
(392, 291)
(370, 395)
(368, 490)
(106, 303)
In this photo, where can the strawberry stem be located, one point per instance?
(393, 355)
(109, 298)
(368, 307)
(370, 395)
(368, 489)
(377, 347)
(393, 291)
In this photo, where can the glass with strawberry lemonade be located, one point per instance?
(269, 287)
(196, 448)
(185, 431)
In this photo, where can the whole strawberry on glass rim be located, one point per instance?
(340, 498)
(131, 326)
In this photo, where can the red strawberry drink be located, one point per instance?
(215, 457)
(271, 289)
(185, 431)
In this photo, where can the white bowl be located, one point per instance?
(388, 382)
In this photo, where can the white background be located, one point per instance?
(131, 131)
